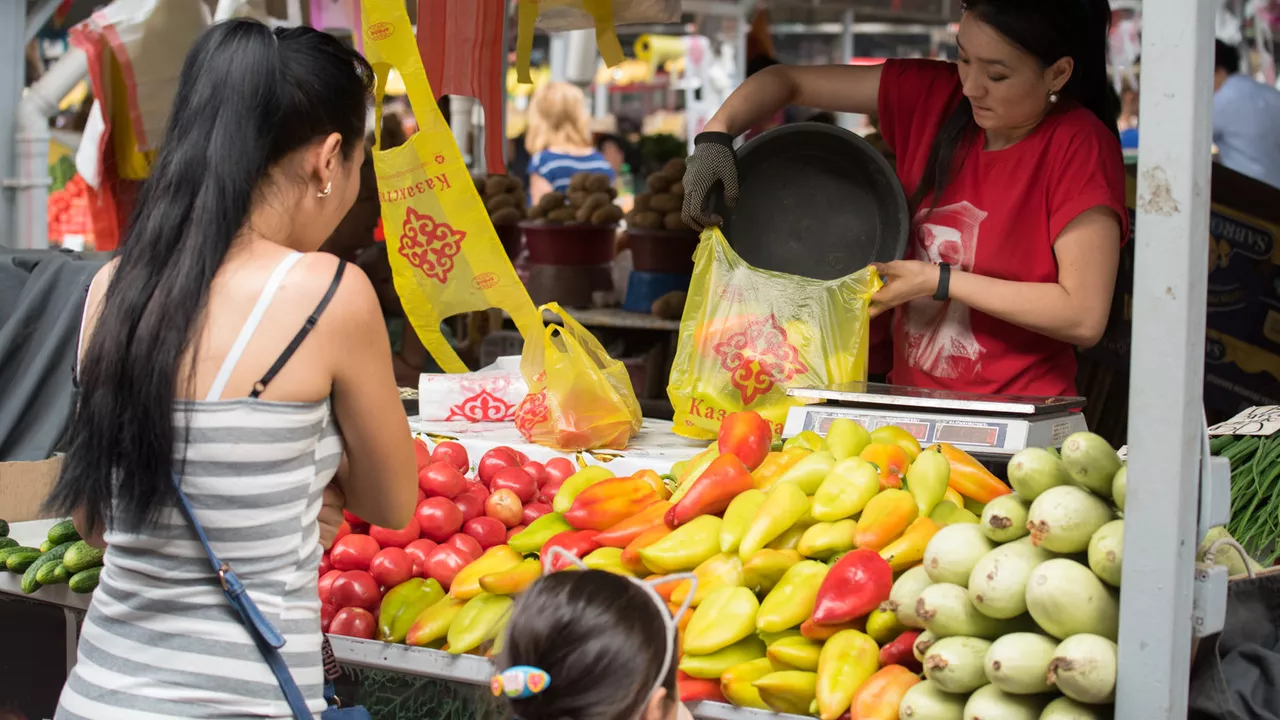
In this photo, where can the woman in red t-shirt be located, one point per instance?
(1013, 168)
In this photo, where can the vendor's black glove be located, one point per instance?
(713, 161)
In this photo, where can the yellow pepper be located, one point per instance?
(480, 621)
(783, 506)
(883, 626)
(795, 653)
(723, 570)
(808, 439)
(608, 559)
(712, 666)
(846, 438)
(402, 605)
(432, 624)
(788, 691)
(927, 480)
(776, 464)
(762, 571)
(685, 548)
(735, 683)
(726, 616)
(847, 489)
(494, 560)
(908, 550)
(791, 601)
(848, 658)
(576, 483)
(513, 580)
(826, 539)
(810, 472)
(737, 518)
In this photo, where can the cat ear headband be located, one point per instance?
(524, 681)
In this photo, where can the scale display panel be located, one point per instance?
(926, 430)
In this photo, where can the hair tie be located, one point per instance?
(519, 682)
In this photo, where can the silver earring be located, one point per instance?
(325, 192)
(1053, 97)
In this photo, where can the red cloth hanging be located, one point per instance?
(461, 43)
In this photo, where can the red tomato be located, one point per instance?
(533, 511)
(452, 453)
(467, 544)
(441, 480)
(560, 469)
(353, 622)
(387, 537)
(495, 460)
(421, 495)
(325, 564)
(536, 470)
(479, 491)
(327, 612)
(487, 531)
(355, 588)
(439, 518)
(343, 530)
(514, 531)
(470, 505)
(353, 552)
(391, 566)
(505, 506)
(547, 493)
(357, 525)
(419, 550)
(520, 457)
(445, 562)
(517, 481)
(421, 452)
(325, 586)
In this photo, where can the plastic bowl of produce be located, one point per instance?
(510, 237)
(552, 244)
(662, 251)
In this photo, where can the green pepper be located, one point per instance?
(402, 605)
(532, 538)
(480, 621)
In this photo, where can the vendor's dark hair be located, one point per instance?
(600, 638)
(247, 97)
(1225, 57)
(1049, 30)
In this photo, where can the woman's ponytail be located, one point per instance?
(238, 109)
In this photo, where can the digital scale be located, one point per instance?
(989, 427)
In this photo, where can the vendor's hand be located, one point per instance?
(331, 514)
(713, 161)
(904, 281)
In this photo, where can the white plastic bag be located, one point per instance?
(489, 394)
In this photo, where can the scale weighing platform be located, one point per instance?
(989, 427)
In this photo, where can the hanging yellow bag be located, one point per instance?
(445, 256)
(559, 15)
(579, 397)
(748, 334)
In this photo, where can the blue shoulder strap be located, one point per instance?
(268, 639)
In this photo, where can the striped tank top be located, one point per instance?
(160, 639)
(558, 169)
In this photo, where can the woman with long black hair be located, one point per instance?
(220, 352)
(1012, 165)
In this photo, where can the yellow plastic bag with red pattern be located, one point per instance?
(748, 334)
(579, 397)
(446, 258)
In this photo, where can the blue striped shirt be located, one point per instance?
(558, 168)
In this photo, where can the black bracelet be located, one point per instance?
(715, 138)
(944, 282)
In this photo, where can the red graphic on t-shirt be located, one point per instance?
(759, 357)
(939, 335)
(484, 406)
(429, 245)
(531, 412)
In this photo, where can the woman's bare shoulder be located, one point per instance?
(354, 300)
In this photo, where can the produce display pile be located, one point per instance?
(1255, 502)
(832, 572)
(588, 201)
(658, 207)
(63, 558)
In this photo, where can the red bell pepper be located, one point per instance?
(621, 535)
(578, 543)
(900, 651)
(692, 689)
(746, 436)
(724, 479)
(854, 586)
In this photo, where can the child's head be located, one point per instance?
(602, 639)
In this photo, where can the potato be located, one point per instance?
(537, 212)
(514, 185)
(670, 306)
(561, 215)
(677, 189)
(479, 182)
(607, 215)
(499, 202)
(598, 183)
(674, 168)
(647, 220)
(673, 221)
(551, 201)
(613, 193)
(583, 214)
(642, 201)
(579, 181)
(659, 183)
(495, 185)
(577, 198)
(506, 216)
(597, 200)
(666, 203)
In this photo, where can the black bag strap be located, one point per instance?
(261, 386)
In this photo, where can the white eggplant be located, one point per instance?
(953, 551)
(904, 594)
(1063, 519)
(1065, 598)
(1106, 552)
(1034, 470)
(1064, 708)
(1092, 462)
(947, 612)
(1004, 519)
(998, 583)
(926, 701)
(1084, 668)
(1017, 663)
(955, 664)
(991, 703)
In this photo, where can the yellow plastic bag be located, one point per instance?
(445, 256)
(558, 15)
(579, 397)
(749, 334)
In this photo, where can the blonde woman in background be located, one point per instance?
(559, 140)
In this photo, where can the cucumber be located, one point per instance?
(6, 552)
(4, 528)
(64, 531)
(85, 580)
(29, 582)
(51, 574)
(21, 559)
(7, 542)
(46, 546)
(82, 556)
